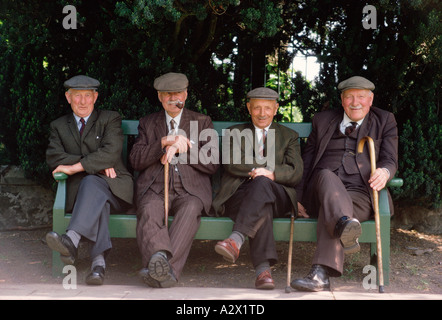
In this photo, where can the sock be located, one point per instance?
(98, 261)
(260, 268)
(238, 237)
(74, 236)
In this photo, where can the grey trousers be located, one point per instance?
(90, 215)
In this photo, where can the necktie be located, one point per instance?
(262, 144)
(172, 126)
(83, 124)
(349, 129)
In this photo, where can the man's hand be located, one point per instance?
(69, 169)
(262, 172)
(302, 212)
(173, 145)
(379, 179)
(109, 172)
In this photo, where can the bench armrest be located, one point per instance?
(395, 182)
(60, 176)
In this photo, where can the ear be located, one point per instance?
(67, 94)
(95, 96)
(276, 109)
(248, 107)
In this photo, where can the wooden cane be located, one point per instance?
(376, 209)
(289, 263)
(166, 193)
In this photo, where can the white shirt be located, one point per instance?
(259, 131)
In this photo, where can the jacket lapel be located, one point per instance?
(73, 128)
(325, 139)
(90, 123)
(160, 128)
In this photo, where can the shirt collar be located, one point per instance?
(346, 120)
(77, 119)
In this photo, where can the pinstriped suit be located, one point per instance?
(190, 190)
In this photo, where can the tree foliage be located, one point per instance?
(226, 47)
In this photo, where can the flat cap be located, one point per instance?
(356, 82)
(263, 93)
(171, 82)
(82, 83)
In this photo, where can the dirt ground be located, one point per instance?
(416, 263)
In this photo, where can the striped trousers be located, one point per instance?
(152, 234)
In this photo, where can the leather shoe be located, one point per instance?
(228, 249)
(151, 282)
(160, 269)
(96, 277)
(265, 281)
(62, 244)
(349, 230)
(316, 280)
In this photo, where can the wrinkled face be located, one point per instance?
(169, 101)
(357, 103)
(82, 101)
(262, 111)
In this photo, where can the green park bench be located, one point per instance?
(219, 228)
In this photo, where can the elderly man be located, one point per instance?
(172, 135)
(336, 183)
(87, 145)
(258, 183)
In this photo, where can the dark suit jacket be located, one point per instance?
(379, 124)
(195, 175)
(98, 148)
(288, 164)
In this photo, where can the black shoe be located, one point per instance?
(96, 277)
(316, 280)
(349, 230)
(159, 267)
(151, 282)
(62, 244)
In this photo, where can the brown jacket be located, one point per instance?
(379, 124)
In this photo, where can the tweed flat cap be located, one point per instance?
(263, 93)
(171, 82)
(82, 83)
(356, 82)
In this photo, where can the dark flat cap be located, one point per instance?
(356, 82)
(171, 82)
(82, 83)
(263, 93)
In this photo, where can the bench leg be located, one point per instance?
(57, 264)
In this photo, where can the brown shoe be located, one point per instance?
(265, 281)
(228, 249)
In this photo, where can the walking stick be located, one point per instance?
(289, 263)
(376, 209)
(166, 193)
